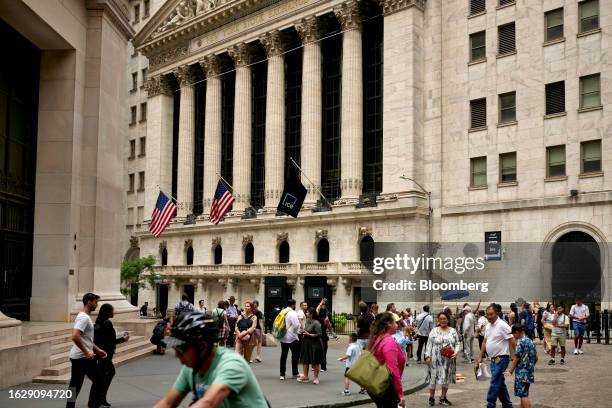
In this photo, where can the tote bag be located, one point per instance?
(369, 373)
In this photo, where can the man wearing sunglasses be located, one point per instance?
(216, 376)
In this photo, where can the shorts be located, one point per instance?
(521, 389)
(258, 332)
(579, 329)
(346, 370)
(558, 340)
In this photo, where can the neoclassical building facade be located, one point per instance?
(417, 120)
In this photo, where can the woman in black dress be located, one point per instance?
(106, 338)
(312, 347)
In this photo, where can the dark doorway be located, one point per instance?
(249, 253)
(316, 288)
(134, 294)
(164, 256)
(189, 256)
(18, 123)
(283, 252)
(323, 250)
(189, 290)
(218, 255)
(576, 269)
(366, 249)
(162, 299)
(277, 293)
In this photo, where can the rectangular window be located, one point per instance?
(132, 149)
(477, 6)
(139, 215)
(146, 4)
(131, 183)
(590, 153)
(555, 157)
(145, 72)
(589, 15)
(132, 115)
(506, 2)
(507, 167)
(478, 113)
(136, 13)
(478, 46)
(130, 217)
(507, 107)
(554, 24)
(141, 181)
(555, 98)
(590, 92)
(507, 39)
(143, 146)
(134, 82)
(143, 111)
(478, 167)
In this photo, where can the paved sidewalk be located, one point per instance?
(141, 383)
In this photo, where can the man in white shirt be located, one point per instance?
(580, 316)
(499, 345)
(424, 325)
(468, 327)
(290, 341)
(83, 353)
(301, 315)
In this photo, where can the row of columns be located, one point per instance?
(311, 116)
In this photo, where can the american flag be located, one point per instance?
(221, 203)
(164, 211)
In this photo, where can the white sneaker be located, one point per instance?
(576, 351)
(282, 378)
(580, 351)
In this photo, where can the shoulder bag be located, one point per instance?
(369, 373)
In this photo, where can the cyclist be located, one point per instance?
(216, 376)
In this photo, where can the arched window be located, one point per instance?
(189, 256)
(249, 253)
(366, 249)
(323, 250)
(218, 255)
(164, 256)
(283, 252)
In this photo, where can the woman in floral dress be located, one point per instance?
(441, 369)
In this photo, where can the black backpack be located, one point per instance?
(158, 330)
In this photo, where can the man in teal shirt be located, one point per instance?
(217, 377)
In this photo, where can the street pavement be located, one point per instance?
(142, 383)
(584, 381)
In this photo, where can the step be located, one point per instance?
(60, 354)
(64, 378)
(43, 332)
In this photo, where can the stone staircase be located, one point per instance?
(58, 370)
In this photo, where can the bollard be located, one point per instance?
(606, 326)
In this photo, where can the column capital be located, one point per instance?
(185, 75)
(241, 53)
(158, 85)
(309, 29)
(392, 6)
(212, 65)
(349, 15)
(273, 43)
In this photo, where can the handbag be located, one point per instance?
(447, 351)
(369, 373)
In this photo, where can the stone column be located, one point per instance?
(275, 118)
(308, 30)
(184, 194)
(241, 55)
(351, 125)
(403, 79)
(160, 106)
(212, 128)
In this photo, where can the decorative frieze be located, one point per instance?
(365, 231)
(282, 236)
(158, 85)
(392, 6)
(185, 75)
(349, 16)
(309, 29)
(247, 239)
(241, 53)
(320, 234)
(216, 241)
(188, 243)
(167, 56)
(273, 43)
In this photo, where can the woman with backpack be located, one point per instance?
(244, 332)
(220, 315)
(159, 331)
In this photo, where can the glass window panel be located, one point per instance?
(556, 154)
(554, 18)
(591, 150)
(589, 8)
(590, 84)
(591, 100)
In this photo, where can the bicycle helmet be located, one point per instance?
(192, 328)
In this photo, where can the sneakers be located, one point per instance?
(551, 361)
(282, 378)
(445, 401)
(576, 352)
(432, 402)
(346, 392)
(562, 361)
(258, 359)
(580, 351)
(362, 391)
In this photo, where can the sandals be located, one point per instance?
(302, 379)
(316, 382)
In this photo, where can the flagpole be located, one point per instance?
(232, 187)
(310, 181)
(169, 195)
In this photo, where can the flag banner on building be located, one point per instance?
(221, 203)
(164, 211)
(293, 195)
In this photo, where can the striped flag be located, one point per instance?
(221, 203)
(164, 211)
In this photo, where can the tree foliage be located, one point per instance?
(132, 271)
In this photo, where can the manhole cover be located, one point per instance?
(551, 382)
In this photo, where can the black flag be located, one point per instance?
(293, 195)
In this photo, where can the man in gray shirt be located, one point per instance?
(424, 324)
(83, 353)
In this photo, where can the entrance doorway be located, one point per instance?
(277, 293)
(190, 292)
(576, 272)
(162, 299)
(18, 123)
(316, 288)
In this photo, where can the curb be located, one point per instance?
(362, 400)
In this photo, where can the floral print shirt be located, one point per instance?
(526, 353)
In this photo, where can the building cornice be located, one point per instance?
(393, 6)
(116, 11)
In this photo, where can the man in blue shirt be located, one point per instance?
(525, 359)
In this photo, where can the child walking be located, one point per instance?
(525, 359)
(352, 354)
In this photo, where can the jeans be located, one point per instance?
(324, 341)
(498, 388)
(82, 367)
(422, 342)
(295, 357)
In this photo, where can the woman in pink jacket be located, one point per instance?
(388, 352)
